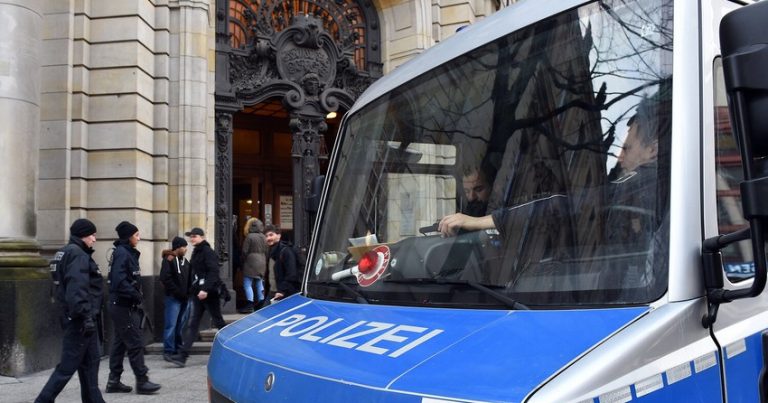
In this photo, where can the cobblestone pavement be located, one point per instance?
(185, 385)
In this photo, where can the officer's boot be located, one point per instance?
(145, 387)
(115, 386)
(247, 308)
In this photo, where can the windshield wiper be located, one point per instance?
(359, 298)
(509, 302)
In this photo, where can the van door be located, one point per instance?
(740, 324)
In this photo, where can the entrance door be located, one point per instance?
(261, 168)
(262, 165)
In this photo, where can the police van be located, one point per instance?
(554, 205)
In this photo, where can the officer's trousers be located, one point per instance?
(127, 339)
(79, 353)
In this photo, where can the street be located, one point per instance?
(186, 384)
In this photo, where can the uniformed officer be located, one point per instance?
(79, 292)
(125, 308)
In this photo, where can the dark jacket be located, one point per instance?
(174, 274)
(80, 282)
(286, 268)
(205, 269)
(125, 275)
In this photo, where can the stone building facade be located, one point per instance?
(110, 113)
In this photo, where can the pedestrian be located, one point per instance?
(176, 279)
(286, 263)
(78, 293)
(126, 310)
(254, 264)
(204, 267)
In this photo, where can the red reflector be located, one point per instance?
(368, 262)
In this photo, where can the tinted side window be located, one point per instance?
(737, 258)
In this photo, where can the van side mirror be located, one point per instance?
(744, 47)
(313, 201)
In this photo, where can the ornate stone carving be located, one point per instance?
(223, 184)
(317, 61)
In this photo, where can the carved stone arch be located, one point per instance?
(352, 24)
(315, 55)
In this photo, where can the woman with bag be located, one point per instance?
(254, 264)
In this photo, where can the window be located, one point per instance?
(559, 132)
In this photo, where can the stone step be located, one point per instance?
(206, 337)
(199, 348)
(232, 317)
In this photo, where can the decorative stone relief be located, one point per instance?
(318, 61)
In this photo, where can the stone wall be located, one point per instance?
(127, 117)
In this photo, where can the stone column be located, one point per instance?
(307, 131)
(20, 29)
(23, 272)
(223, 201)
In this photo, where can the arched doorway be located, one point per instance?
(281, 67)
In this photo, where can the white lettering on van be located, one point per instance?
(311, 335)
(285, 322)
(378, 338)
(389, 335)
(344, 340)
(288, 331)
(415, 343)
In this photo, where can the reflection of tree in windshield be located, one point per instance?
(547, 110)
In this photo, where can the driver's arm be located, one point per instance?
(450, 224)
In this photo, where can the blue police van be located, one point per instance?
(561, 203)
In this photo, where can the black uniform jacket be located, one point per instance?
(81, 284)
(125, 275)
(205, 268)
(174, 275)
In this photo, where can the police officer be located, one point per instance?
(125, 299)
(78, 292)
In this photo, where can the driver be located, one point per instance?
(476, 183)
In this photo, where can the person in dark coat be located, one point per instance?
(254, 264)
(125, 306)
(286, 263)
(78, 292)
(205, 292)
(176, 279)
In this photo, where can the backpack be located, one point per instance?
(301, 259)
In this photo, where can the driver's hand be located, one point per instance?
(451, 224)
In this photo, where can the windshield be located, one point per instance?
(530, 172)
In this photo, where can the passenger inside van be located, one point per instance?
(634, 192)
